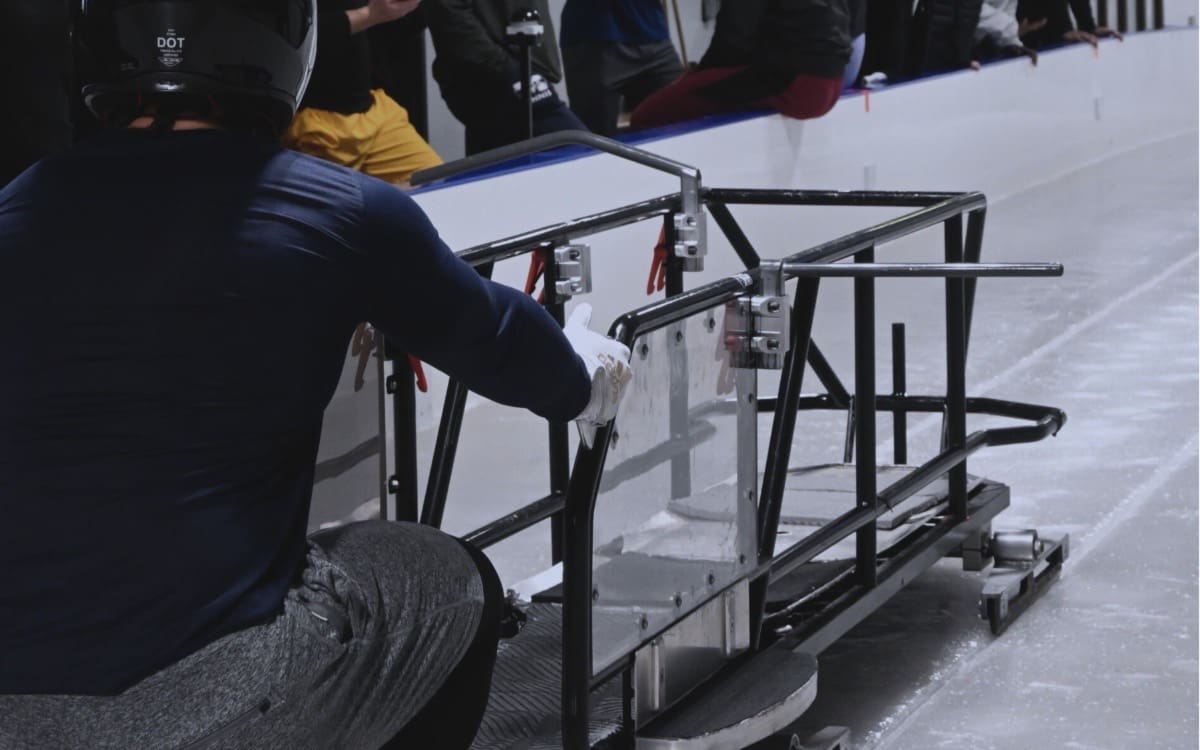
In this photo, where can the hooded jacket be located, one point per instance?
(782, 38)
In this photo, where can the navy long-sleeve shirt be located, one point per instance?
(174, 315)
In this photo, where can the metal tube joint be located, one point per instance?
(758, 326)
(691, 224)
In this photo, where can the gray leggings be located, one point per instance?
(381, 617)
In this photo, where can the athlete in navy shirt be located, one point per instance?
(165, 373)
(176, 302)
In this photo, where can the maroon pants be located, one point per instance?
(806, 97)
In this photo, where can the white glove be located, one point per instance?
(608, 363)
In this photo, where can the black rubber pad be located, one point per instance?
(523, 711)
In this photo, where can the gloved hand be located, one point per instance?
(608, 363)
(541, 93)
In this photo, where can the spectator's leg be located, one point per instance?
(553, 116)
(489, 127)
(658, 66)
(807, 97)
(682, 100)
(591, 91)
(857, 48)
(397, 149)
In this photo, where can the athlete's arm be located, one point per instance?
(493, 338)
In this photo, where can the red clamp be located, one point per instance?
(537, 267)
(419, 373)
(658, 266)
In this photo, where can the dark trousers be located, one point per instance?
(493, 114)
(601, 76)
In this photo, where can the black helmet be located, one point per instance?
(255, 53)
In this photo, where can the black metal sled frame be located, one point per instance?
(934, 208)
(876, 575)
(875, 578)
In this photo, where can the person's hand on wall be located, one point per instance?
(1076, 35)
(1016, 50)
(376, 12)
(1028, 26)
(1102, 32)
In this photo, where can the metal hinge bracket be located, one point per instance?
(758, 326)
(572, 270)
(690, 239)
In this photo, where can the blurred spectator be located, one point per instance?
(35, 81)
(614, 49)
(342, 118)
(999, 32)
(786, 55)
(858, 42)
(945, 33)
(480, 75)
(398, 65)
(1057, 26)
(889, 34)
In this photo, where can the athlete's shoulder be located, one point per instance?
(335, 180)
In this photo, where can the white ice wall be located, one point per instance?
(997, 130)
(1000, 130)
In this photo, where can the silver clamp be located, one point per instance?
(758, 326)
(690, 244)
(572, 270)
(691, 230)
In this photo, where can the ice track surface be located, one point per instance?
(1108, 658)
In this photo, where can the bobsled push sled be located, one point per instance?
(701, 570)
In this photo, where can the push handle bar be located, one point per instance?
(920, 270)
(547, 142)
